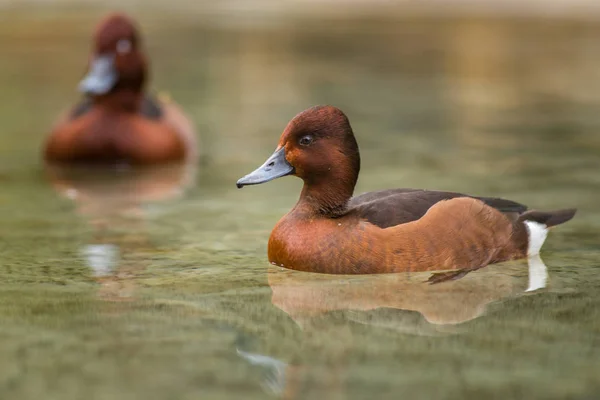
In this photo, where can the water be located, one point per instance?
(155, 284)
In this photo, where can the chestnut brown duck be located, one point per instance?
(394, 230)
(118, 121)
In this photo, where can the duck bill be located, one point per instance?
(101, 77)
(275, 167)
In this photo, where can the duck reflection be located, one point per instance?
(116, 202)
(303, 295)
(404, 303)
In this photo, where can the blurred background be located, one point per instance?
(155, 284)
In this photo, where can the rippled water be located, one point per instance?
(155, 284)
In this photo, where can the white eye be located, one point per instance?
(123, 46)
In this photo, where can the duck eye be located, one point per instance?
(123, 46)
(306, 140)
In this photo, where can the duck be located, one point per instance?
(387, 231)
(117, 121)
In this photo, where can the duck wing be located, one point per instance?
(150, 108)
(392, 207)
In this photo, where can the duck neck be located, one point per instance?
(122, 100)
(328, 197)
(128, 92)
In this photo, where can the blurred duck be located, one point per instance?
(395, 230)
(118, 122)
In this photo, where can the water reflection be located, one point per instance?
(402, 303)
(289, 381)
(101, 258)
(274, 375)
(304, 296)
(115, 202)
(101, 193)
(538, 274)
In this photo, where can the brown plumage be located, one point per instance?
(118, 121)
(397, 230)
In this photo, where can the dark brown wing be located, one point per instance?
(150, 108)
(392, 207)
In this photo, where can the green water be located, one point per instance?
(155, 284)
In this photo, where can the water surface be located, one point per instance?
(155, 284)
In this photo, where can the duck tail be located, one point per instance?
(538, 223)
(548, 218)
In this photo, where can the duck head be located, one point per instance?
(117, 62)
(319, 147)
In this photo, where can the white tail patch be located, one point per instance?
(537, 236)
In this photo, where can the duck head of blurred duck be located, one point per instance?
(117, 68)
